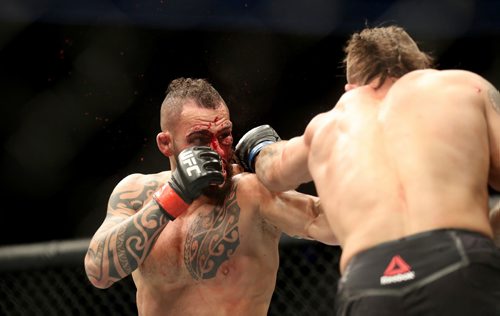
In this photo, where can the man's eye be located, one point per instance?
(226, 139)
(200, 141)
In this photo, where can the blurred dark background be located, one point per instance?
(82, 83)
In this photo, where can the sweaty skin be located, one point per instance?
(215, 258)
(411, 156)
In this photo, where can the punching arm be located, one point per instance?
(283, 166)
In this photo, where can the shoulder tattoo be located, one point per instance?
(133, 197)
(494, 97)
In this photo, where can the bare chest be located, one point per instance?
(211, 245)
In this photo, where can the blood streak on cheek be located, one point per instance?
(215, 146)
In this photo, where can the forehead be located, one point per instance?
(194, 117)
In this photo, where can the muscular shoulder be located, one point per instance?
(441, 77)
(319, 121)
(143, 179)
(141, 182)
(133, 190)
(249, 187)
(254, 197)
(252, 194)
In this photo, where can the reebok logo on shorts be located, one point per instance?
(397, 271)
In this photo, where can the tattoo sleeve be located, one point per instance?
(127, 235)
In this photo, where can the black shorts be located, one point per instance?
(440, 272)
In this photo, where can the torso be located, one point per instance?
(212, 260)
(414, 160)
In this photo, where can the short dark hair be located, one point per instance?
(382, 52)
(183, 89)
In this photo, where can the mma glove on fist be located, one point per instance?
(197, 168)
(252, 143)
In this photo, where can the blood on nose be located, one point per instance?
(214, 144)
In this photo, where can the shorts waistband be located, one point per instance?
(444, 233)
(418, 258)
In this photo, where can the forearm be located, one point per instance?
(119, 248)
(283, 166)
(298, 215)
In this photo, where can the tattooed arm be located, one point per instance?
(123, 241)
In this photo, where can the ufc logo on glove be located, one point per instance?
(187, 158)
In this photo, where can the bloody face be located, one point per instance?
(206, 127)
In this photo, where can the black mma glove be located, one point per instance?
(252, 143)
(197, 168)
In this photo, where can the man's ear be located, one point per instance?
(350, 86)
(164, 142)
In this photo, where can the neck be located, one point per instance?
(384, 88)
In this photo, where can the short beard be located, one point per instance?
(219, 194)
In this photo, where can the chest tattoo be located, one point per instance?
(212, 239)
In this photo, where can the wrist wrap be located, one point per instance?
(170, 202)
(255, 151)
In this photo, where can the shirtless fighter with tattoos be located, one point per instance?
(402, 165)
(201, 239)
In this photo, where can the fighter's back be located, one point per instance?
(413, 159)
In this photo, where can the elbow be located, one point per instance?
(95, 273)
(99, 284)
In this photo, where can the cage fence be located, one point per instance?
(49, 279)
